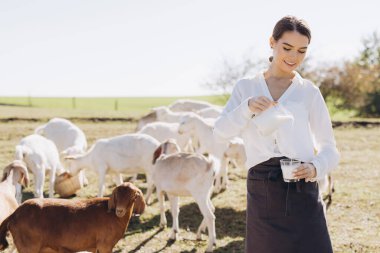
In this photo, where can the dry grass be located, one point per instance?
(354, 217)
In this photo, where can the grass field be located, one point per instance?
(353, 219)
(125, 107)
(132, 106)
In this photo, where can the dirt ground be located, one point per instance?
(353, 218)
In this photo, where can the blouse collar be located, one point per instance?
(296, 80)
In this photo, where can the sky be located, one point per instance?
(158, 48)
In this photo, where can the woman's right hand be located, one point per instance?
(260, 104)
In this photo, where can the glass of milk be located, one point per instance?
(269, 120)
(287, 167)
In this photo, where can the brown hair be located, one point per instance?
(289, 24)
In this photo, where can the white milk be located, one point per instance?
(287, 167)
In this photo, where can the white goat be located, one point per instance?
(210, 112)
(208, 143)
(235, 153)
(69, 139)
(201, 129)
(188, 105)
(40, 155)
(164, 114)
(163, 131)
(148, 118)
(185, 174)
(14, 174)
(130, 153)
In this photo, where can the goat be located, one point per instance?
(177, 110)
(130, 153)
(148, 118)
(210, 112)
(61, 225)
(163, 131)
(202, 130)
(39, 155)
(235, 153)
(68, 138)
(184, 174)
(188, 105)
(14, 174)
(164, 114)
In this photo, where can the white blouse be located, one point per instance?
(308, 138)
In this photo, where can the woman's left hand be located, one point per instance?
(306, 171)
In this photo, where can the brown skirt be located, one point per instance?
(283, 217)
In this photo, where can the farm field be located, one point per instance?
(79, 107)
(116, 108)
(353, 218)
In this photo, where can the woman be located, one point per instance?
(283, 217)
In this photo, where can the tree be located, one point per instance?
(358, 83)
(230, 72)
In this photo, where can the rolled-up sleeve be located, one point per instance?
(235, 115)
(327, 157)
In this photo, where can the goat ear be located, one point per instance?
(157, 154)
(112, 201)
(6, 172)
(139, 205)
(5, 175)
(24, 180)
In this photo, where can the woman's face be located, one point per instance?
(289, 51)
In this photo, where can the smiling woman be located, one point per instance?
(283, 216)
(290, 46)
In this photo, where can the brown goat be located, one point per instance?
(67, 226)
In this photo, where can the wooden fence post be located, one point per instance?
(116, 105)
